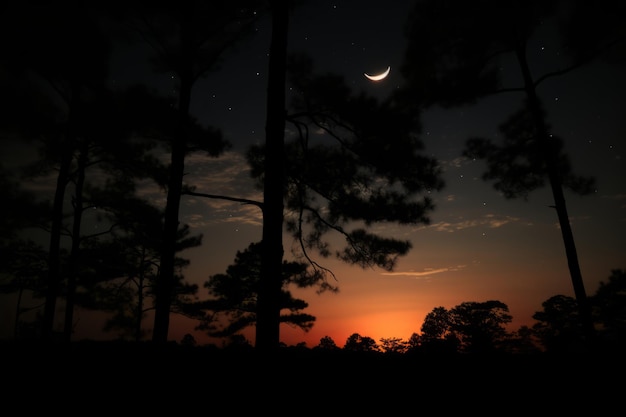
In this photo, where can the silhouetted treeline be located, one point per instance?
(480, 328)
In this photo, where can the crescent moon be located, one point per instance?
(378, 77)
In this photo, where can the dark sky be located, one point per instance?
(479, 246)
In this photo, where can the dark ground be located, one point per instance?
(98, 378)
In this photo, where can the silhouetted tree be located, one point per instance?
(436, 324)
(454, 58)
(122, 266)
(274, 184)
(108, 148)
(480, 326)
(559, 327)
(188, 40)
(233, 296)
(239, 343)
(338, 184)
(357, 343)
(138, 225)
(437, 335)
(107, 153)
(331, 188)
(521, 341)
(393, 345)
(70, 72)
(414, 342)
(609, 306)
(188, 340)
(132, 250)
(327, 344)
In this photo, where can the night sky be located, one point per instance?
(479, 245)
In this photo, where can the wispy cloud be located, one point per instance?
(456, 162)
(250, 215)
(228, 174)
(491, 221)
(427, 272)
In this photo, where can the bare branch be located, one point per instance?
(223, 197)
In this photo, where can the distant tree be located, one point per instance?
(558, 326)
(454, 57)
(480, 326)
(437, 335)
(358, 343)
(327, 344)
(609, 304)
(126, 286)
(133, 249)
(521, 341)
(393, 345)
(414, 342)
(188, 340)
(233, 296)
(436, 324)
(109, 159)
(238, 342)
(301, 346)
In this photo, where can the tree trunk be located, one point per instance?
(268, 303)
(165, 281)
(551, 155)
(140, 287)
(54, 251)
(70, 299)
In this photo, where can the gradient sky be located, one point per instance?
(478, 247)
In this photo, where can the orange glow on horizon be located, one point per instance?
(397, 324)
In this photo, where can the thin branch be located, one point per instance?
(85, 237)
(582, 62)
(316, 266)
(560, 72)
(223, 197)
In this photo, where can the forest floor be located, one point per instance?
(104, 377)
